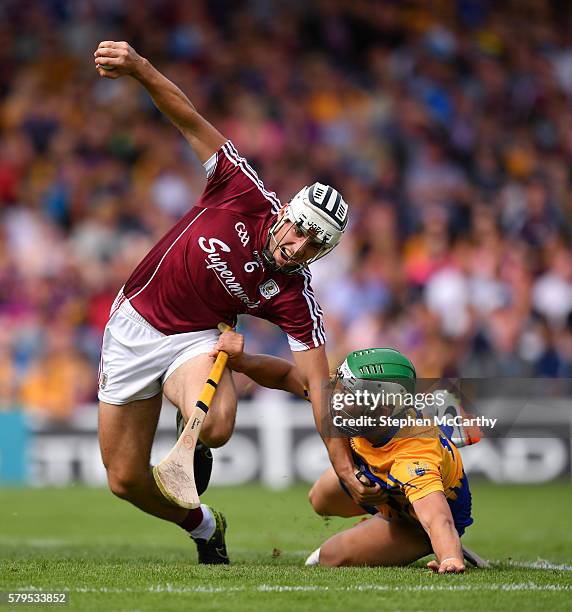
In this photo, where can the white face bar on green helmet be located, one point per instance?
(321, 213)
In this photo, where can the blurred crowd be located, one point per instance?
(446, 125)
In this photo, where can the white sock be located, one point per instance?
(206, 527)
(314, 558)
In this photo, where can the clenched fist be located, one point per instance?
(232, 343)
(115, 59)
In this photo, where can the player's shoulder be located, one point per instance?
(301, 278)
(225, 158)
(233, 183)
(418, 444)
(298, 282)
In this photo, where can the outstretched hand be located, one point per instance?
(115, 59)
(447, 566)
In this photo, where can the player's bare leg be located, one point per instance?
(183, 387)
(126, 435)
(374, 542)
(329, 499)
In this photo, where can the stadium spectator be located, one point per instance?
(59, 380)
(451, 138)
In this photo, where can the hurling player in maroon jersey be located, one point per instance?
(238, 250)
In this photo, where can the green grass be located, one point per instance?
(113, 557)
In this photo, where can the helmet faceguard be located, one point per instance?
(320, 213)
(377, 371)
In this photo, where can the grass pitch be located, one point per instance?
(110, 556)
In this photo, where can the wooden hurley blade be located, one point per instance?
(175, 474)
(177, 485)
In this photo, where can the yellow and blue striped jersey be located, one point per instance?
(410, 465)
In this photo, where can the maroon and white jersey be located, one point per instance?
(208, 267)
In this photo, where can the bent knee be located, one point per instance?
(215, 437)
(217, 433)
(317, 501)
(123, 484)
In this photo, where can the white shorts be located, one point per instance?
(137, 359)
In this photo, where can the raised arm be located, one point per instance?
(116, 59)
(435, 515)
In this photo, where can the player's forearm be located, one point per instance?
(340, 455)
(313, 371)
(445, 540)
(435, 516)
(339, 450)
(168, 98)
(271, 372)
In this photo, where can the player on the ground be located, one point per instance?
(238, 250)
(424, 504)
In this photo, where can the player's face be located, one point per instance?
(290, 246)
(364, 406)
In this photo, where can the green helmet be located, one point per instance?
(377, 368)
(383, 373)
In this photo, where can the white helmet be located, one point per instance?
(321, 213)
